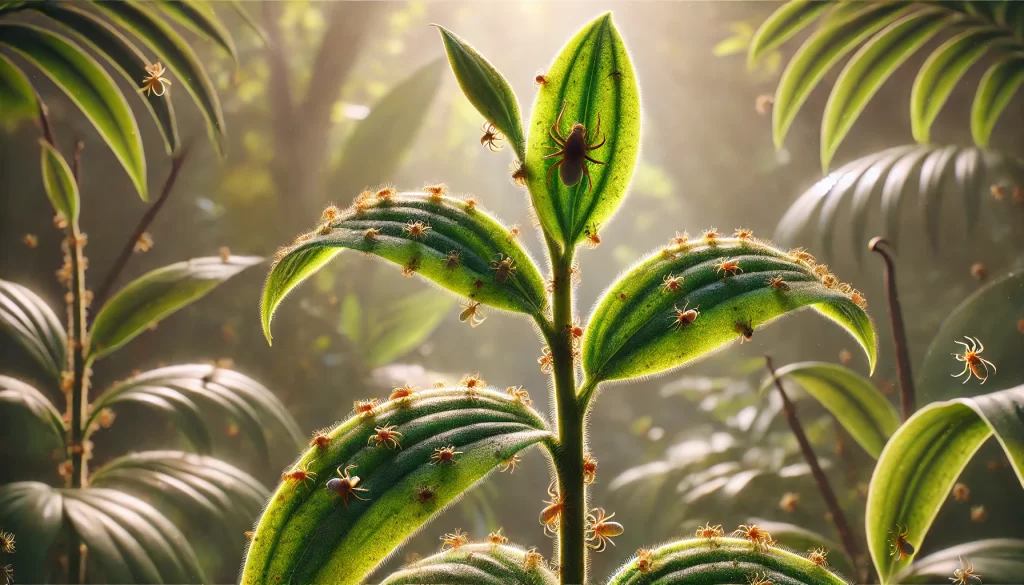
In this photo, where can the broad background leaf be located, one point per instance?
(34, 326)
(59, 184)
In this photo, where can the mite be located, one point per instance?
(491, 137)
(973, 362)
(683, 317)
(898, 545)
(497, 538)
(710, 533)
(155, 82)
(503, 268)
(299, 475)
(346, 486)
(472, 314)
(444, 456)
(573, 164)
(387, 436)
(644, 560)
(964, 574)
(549, 516)
(454, 540)
(756, 535)
(600, 530)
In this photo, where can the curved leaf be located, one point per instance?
(632, 330)
(869, 68)
(34, 326)
(991, 315)
(34, 512)
(178, 56)
(307, 534)
(156, 295)
(402, 326)
(106, 40)
(795, 538)
(251, 22)
(455, 227)
(819, 53)
(18, 393)
(925, 456)
(592, 76)
(485, 88)
(177, 389)
(786, 21)
(995, 89)
(941, 72)
(998, 560)
(199, 17)
(474, 564)
(731, 561)
(406, 106)
(88, 86)
(854, 400)
(59, 184)
(17, 98)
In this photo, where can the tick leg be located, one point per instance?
(596, 162)
(552, 132)
(967, 368)
(558, 121)
(991, 364)
(553, 167)
(553, 154)
(590, 183)
(981, 347)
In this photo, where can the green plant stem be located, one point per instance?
(899, 335)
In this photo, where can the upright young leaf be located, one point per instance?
(155, 295)
(995, 89)
(923, 459)
(308, 534)
(591, 79)
(34, 326)
(59, 184)
(88, 86)
(479, 564)
(200, 17)
(17, 98)
(786, 21)
(446, 240)
(486, 89)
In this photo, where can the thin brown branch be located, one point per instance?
(76, 160)
(899, 335)
(845, 535)
(44, 121)
(129, 248)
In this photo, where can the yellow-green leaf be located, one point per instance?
(59, 183)
(17, 98)
(786, 21)
(995, 89)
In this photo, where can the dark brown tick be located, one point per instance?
(573, 150)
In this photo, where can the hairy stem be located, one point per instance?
(845, 535)
(129, 248)
(899, 335)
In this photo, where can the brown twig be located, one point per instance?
(76, 160)
(126, 253)
(44, 121)
(899, 335)
(845, 535)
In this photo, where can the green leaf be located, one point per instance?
(631, 332)
(88, 86)
(485, 88)
(156, 295)
(941, 72)
(34, 512)
(454, 227)
(593, 78)
(476, 564)
(402, 326)
(998, 560)
(119, 50)
(17, 393)
(406, 106)
(819, 54)
(251, 22)
(59, 183)
(178, 56)
(989, 314)
(182, 390)
(869, 68)
(308, 534)
(730, 46)
(17, 98)
(34, 326)
(199, 17)
(731, 561)
(854, 400)
(799, 539)
(786, 21)
(923, 459)
(995, 89)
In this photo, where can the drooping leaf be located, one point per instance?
(34, 326)
(179, 57)
(308, 534)
(731, 561)
(632, 331)
(88, 86)
(17, 393)
(786, 21)
(923, 459)
(997, 560)
(122, 53)
(592, 77)
(59, 184)
(990, 315)
(854, 400)
(405, 107)
(34, 512)
(17, 98)
(869, 68)
(251, 22)
(476, 564)
(798, 539)
(402, 326)
(182, 390)
(200, 17)
(156, 295)
(455, 227)
(995, 89)
(485, 88)
(819, 54)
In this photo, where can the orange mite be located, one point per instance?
(546, 361)
(155, 82)
(756, 535)
(973, 362)
(386, 435)
(898, 545)
(519, 175)
(683, 317)
(818, 556)
(346, 486)
(961, 492)
(299, 475)
(436, 192)
(497, 538)
(778, 284)
(365, 407)
(729, 266)
(532, 559)
(964, 574)
(591, 238)
(743, 234)
(510, 464)
(454, 540)
(472, 314)
(644, 560)
(573, 165)
(671, 283)
(444, 456)
(503, 267)
(600, 530)
(403, 392)
(320, 440)
(491, 137)
(519, 395)
(549, 516)
(416, 229)
(710, 236)
(453, 260)
(540, 80)
(709, 533)
(424, 494)
(589, 469)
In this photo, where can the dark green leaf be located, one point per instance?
(998, 560)
(17, 393)
(923, 459)
(88, 86)
(592, 77)
(786, 21)
(308, 534)
(156, 295)
(475, 564)
(199, 17)
(59, 184)
(455, 227)
(995, 89)
(34, 326)
(17, 98)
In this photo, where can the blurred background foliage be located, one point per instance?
(343, 96)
